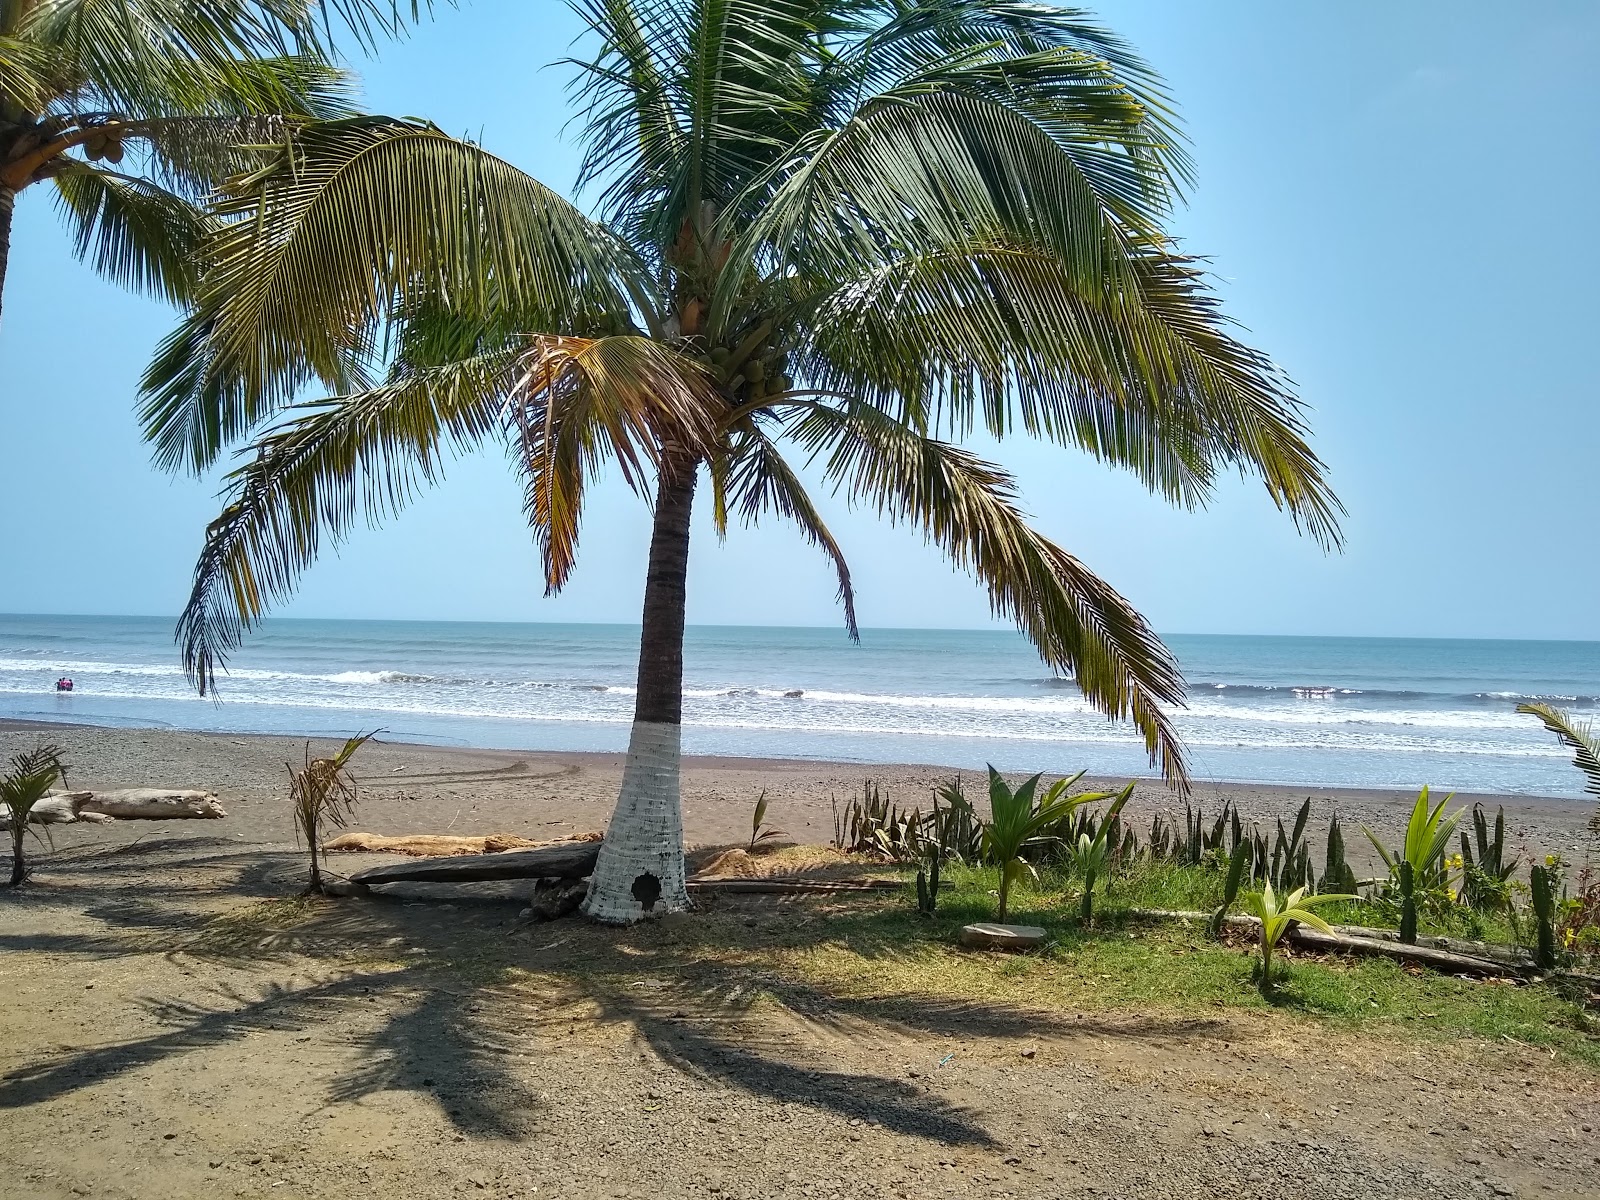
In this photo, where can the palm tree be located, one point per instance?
(173, 87)
(856, 229)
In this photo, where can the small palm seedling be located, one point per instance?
(760, 831)
(1277, 914)
(1090, 855)
(1419, 870)
(31, 776)
(1017, 821)
(323, 792)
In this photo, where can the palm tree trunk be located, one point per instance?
(8, 202)
(640, 870)
(18, 832)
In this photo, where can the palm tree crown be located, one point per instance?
(135, 110)
(856, 229)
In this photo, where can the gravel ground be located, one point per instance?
(165, 1039)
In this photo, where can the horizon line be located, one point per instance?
(753, 625)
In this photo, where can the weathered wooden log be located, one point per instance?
(563, 860)
(1442, 960)
(777, 886)
(1341, 942)
(154, 804)
(438, 845)
(58, 808)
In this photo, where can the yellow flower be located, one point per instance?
(1552, 860)
(1451, 892)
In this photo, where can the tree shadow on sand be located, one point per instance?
(465, 992)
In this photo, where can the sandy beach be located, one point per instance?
(431, 789)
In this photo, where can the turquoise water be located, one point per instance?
(1366, 712)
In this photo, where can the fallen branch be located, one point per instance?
(561, 860)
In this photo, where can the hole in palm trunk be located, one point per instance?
(647, 890)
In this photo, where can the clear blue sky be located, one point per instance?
(1398, 199)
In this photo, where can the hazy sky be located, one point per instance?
(1397, 198)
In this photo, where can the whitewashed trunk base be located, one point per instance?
(640, 871)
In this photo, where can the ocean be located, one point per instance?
(1360, 712)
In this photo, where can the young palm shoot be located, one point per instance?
(33, 773)
(1277, 914)
(1018, 820)
(760, 831)
(323, 792)
(1091, 855)
(1419, 868)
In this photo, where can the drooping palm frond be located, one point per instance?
(753, 479)
(329, 465)
(967, 507)
(1579, 737)
(132, 231)
(351, 221)
(579, 404)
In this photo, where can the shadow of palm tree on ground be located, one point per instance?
(464, 991)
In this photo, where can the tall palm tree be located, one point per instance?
(853, 229)
(135, 109)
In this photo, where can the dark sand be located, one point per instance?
(429, 789)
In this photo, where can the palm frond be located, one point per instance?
(168, 57)
(1578, 737)
(132, 231)
(913, 40)
(966, 506)
(350, 221)
(684, 103)
(757, 480)
(330, 464)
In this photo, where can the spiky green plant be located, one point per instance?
(1486, 875)
(849, 233)
(30, 776)
(1542, 883)
(1276, 914)
(1238, 869)
(1091, 855)
(1336, 873)
(1018, 820)
(1419, 869)
(323, 792)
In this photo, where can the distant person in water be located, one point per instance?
(63, 684)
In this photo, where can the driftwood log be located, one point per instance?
(1343, 942)
(438, 845)
(153, 804)
(779, 886)
(562, 860)
(59, 808)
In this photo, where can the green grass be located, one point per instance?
(1126, 963)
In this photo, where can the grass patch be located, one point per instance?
(1124, 963)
